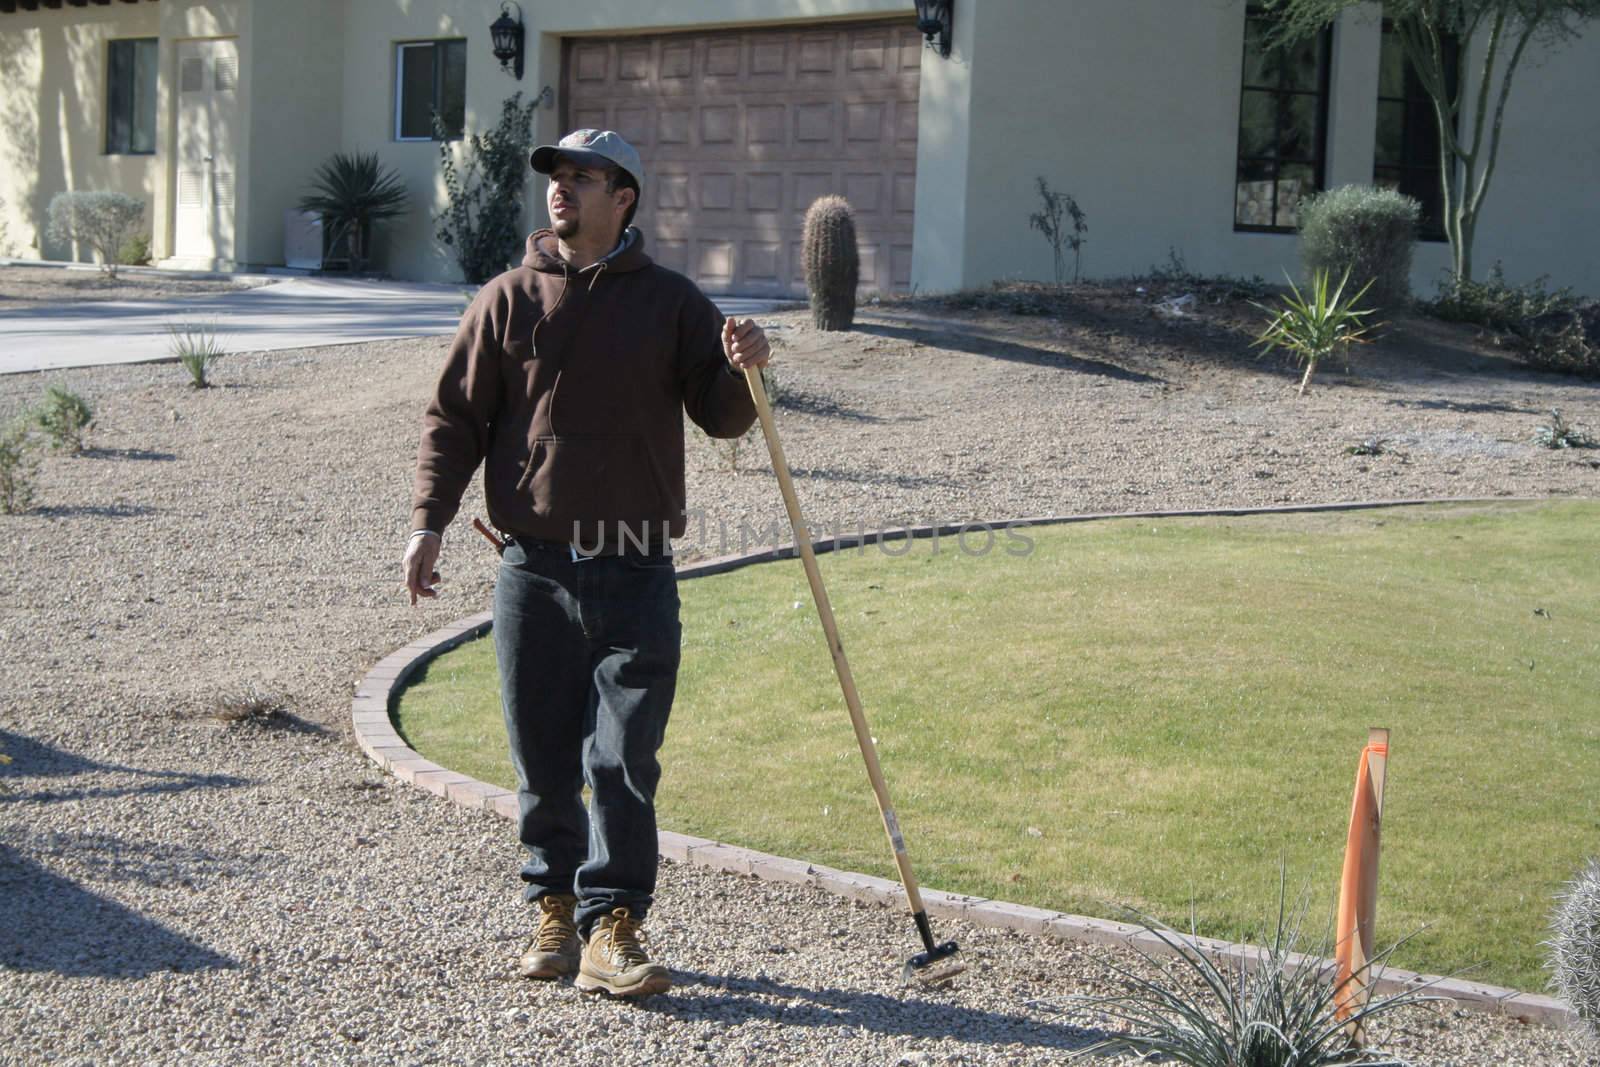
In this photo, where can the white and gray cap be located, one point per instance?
(590, 148)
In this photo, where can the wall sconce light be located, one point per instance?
(933, 22)
(507, 35)
(547, 97)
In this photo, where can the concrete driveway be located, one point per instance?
(294, 313)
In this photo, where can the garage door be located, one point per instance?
(741, 130)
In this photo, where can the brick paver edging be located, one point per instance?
(375, 733)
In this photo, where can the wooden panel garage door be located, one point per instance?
(741, 130)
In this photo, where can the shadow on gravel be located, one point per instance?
(100, 511)
(128, 453)
(33, 759)
(53, 924)
(903, 481)
(803, 403)
(736, 1000)
(980, 345)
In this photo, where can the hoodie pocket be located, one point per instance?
(592, 476)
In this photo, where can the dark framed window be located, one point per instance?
(131, 67)
(1283, 126)
(430, 77)
(1406, 156)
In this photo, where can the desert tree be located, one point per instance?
(1466, 54)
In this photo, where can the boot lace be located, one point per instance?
(555, 925)
(624, 931)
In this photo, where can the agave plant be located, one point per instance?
(1278, 1010)
(352, 193)
(1316, 325)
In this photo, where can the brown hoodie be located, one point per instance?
(571, 386)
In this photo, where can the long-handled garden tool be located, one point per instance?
(922, 965)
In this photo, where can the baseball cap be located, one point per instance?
(591, 148)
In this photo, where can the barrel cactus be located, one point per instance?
(832, 264)
(1575, 946)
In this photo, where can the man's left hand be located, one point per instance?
(745, 344)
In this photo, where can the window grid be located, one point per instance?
(1409, 163)
(430, 77)
(1270, 167)
(130, 117)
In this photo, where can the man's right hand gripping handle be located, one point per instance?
(420, 564)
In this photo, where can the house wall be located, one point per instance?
(407, 248)
(294, 53)
(1132, 107)
(52, 118)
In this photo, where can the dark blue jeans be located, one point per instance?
(588, 654)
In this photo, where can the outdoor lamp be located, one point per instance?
(933, 20)
(507, 34)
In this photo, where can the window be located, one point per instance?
(131, 97)
(431, 78)
(1283, 121)
(1407, 153)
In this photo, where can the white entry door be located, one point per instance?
(208, 124)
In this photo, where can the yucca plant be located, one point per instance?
(1279, 1010)
(1316, 325)
(196, 346)
(352, 193)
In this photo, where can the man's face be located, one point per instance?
(578, 201)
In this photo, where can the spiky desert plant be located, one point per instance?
(1277, 1010)
(352, 193)
(832, 262)
(1575, 946)
(1558, 433)
(196, 346)
(64, 416)
(1316, 325)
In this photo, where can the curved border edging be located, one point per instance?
(376, 735)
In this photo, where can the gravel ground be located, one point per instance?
(179, 888)
(22, 287)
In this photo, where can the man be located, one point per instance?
(568, 380)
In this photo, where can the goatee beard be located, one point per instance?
(566, 228)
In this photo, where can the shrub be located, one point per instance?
(64, 416)
(1551, 329)
(101, 220)
(196, 346)
(482, 226)
(17, 469)
(832, 262)
(1317, 326)
(353, 193)
(1575, 946)
(1049, 222)
(1363, 231)
(135, 251)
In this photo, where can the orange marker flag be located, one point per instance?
(1358, 889)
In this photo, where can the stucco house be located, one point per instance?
(1165, 119)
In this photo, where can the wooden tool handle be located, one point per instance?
(841, 666)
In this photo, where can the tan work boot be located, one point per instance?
(614, 963)
(556, 946)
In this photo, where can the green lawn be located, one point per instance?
(1155, 713)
